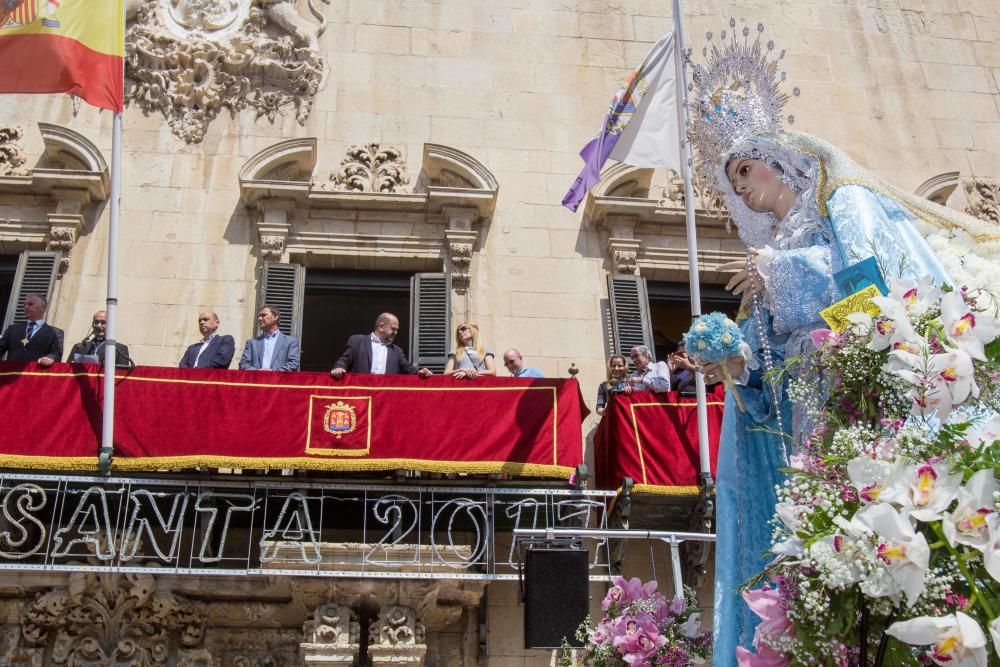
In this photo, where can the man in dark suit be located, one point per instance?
(271, 350)
(34, 339)
(93, 344)
(213, 350)
(375, 353)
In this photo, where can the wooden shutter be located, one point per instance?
(282, 286)
(36, 274)
(629, 313)
(430, 317)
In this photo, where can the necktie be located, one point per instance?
(31, 330)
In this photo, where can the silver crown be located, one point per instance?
(736, 94)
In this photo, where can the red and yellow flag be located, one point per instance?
(63, 46)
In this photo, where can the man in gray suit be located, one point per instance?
(271, 350)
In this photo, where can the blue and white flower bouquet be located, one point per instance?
(713, 338)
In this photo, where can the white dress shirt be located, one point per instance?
(380, 353)
(655, 378)
(270, 339)
(204, 344)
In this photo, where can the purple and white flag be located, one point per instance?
(641, 126)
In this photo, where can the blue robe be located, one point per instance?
(861, 223)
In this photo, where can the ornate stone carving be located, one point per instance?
(706, 198)
(62, 238)
(332, 637)
(272, 248)
(370, 168)
(114, 619)
(12, 157)
(460, 245)
(396, 636)
(244, 647)
(983, 197)
(626, 261)
(189, 59)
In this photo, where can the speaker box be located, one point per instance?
(556, 596)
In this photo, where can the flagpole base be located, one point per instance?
(104, 460)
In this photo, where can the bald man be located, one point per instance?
(376, 353)
(213, 350)
(93, 344)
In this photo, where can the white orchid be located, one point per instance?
(922, 490)
(915, 297)
(869, 477)
(984, 433)
(955, 640)
(892, 326)
(692, 627)
(970, 330)
(969, 523)
(938, 382)
(991, 554)
(904, 552)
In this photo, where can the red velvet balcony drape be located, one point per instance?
(180, 418)
(653, 438)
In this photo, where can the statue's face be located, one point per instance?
(756, 184)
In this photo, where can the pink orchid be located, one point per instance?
(764, 657)
(819, 337)
(774, 622)
(636, 639)
(626, 591)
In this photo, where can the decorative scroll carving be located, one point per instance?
(12, 157)
(370, 168)
(626, 261)
(706, 198)
(396, 636)
(332, 637)
(189, 60)
(460, 256)
(983, 197)
(115, 619)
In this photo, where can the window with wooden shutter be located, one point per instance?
(282, 285)
(430, 315)
(629, 313)
(36, 274)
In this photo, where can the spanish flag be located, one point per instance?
(63, 46)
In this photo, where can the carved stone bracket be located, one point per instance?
(396, 637)
(190, 60)
(12, 157)
(983, 197)
(624, 255)
(461, 241)
(113, 619)
(273, 228)
(370, 168)
(332, 637)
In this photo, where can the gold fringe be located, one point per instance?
(653, 489)
(49, 462)
(150, 464)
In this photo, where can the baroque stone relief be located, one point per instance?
(983, 198)
(12, 157)
(190, 59)
(370, 168)
(111, 619)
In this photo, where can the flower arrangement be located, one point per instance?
(641, 628)
(887, 530)
(713, 338)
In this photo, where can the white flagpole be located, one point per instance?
(110, 346)
(692, 236)
(111, 335)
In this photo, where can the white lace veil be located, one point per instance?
(797, 170)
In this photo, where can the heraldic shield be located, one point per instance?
(339, 425)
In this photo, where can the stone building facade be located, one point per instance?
(319, 151)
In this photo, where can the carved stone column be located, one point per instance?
(461, 240)
(396, 637)
(273, 228)
(331, 637)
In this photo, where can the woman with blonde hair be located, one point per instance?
(617, 382)
(469, 359)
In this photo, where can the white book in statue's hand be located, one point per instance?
(85, 359)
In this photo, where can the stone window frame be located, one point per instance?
(454, 198)
(71, 175)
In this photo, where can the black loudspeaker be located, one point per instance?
(556, 596)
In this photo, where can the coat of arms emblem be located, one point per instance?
(340, 419)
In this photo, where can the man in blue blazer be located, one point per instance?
(271, 350)
(213, 350)
(376, 353)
